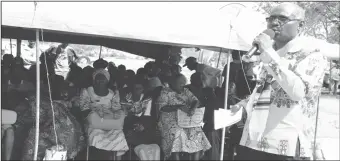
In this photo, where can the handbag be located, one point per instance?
(148, 152)
(56, 153)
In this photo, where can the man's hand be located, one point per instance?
(191, 112)
(264, 42)
(235, 108)
(138, 127)
(265, 47)
(184, 109)
(117, 114)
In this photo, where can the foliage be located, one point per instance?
(322, 18)
(322, 21)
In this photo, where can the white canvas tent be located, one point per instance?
(149, 31)
(150, 27)
(142, 28)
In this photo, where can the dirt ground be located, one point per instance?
(328, 126)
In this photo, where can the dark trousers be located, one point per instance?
(99, 154)
(214, 138)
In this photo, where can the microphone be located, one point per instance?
(255, 47)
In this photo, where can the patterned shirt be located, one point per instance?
(291, 113)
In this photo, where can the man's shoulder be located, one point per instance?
(206, 67)
(313, 54)
(51, 49)
(309, 46)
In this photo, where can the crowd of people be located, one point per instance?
(109, 112)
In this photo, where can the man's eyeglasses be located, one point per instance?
(281, 19)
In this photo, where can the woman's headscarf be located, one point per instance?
(101, 71)
(173, 81)
(100, 63)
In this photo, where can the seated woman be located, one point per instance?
(87, 79)
(127, 81)
(72, 87)
(139, 125)
(153, 90)
(8, 118)
(102, 110)
(129, 77)
(68, 130)
(7, 61)
(17, 78)
(113, 70)
(132, 97)
(142, 74)
(174, 138)
(74, 74)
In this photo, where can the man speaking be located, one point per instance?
(282, 108)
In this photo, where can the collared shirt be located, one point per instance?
(276, 128)
(212, 75)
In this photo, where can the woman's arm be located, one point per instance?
(84, 103)
(173, 108)
(115, 101)
(194, 102)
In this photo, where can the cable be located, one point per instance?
(244, 73)
(35, 9)
(49, 92)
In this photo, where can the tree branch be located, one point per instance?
(325, 26)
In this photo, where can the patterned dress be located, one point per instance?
(113, 140)
(69, 131)
(175, 138)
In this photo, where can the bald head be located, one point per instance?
(287, 20)
(290, 10)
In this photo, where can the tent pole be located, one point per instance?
(203, 56)
(330, 77)
(36, 145)
(225, 102)
(18, 47)
(100, 52)
(316, 129)
(200, 56)
(219, 57)
(10, 45)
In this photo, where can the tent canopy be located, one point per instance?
(147, 29)
(142, 28)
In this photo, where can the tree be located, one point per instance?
(322, 19)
